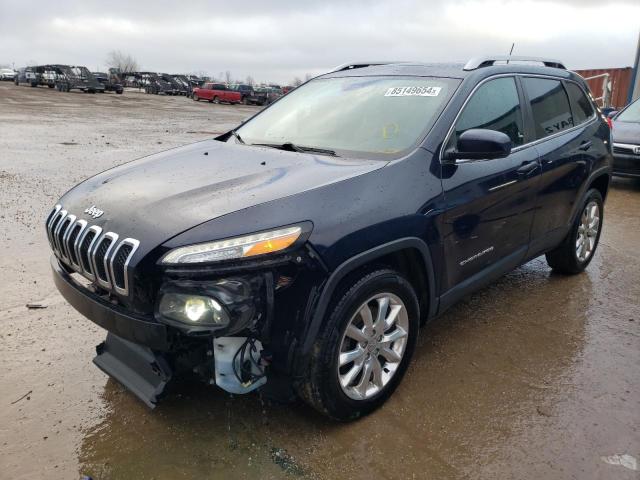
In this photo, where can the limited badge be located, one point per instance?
(413, 92)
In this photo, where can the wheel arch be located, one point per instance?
(410, 256)
(600, 180)
(601, 183)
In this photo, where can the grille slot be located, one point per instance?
(628, 151)
(625, 149)
(98, 256)
(85, 246)
(59, 235)
(119, 260)
(72, 240)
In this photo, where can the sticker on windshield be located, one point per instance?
(413, 92)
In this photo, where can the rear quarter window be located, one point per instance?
(549, 105)
(580, 104)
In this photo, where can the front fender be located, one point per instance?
(319, 303)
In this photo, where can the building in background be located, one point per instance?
(609, 86)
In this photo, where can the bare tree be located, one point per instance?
(249, 80)
(307, 77)
(227, 77)
(296, 82)
(124, 63)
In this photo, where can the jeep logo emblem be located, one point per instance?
(94, 212)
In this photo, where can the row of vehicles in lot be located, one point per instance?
(67, 77)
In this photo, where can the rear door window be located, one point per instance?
(549, 104)
(494, 106)
(580, 104)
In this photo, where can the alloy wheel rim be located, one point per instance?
(373, 346)
(588, 231)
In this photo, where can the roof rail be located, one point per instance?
(479, 62)
(352, 65)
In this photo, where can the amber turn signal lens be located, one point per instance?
(272, 245)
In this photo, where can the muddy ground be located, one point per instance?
(537, 376)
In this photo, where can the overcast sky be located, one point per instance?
(295, 37)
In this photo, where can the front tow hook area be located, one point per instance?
(138, 368)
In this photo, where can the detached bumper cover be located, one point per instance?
(143, 372)
(110, 317)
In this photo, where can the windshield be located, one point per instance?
(630, 114)
(353, 115)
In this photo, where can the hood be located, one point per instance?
(162, 195)
(626, 132)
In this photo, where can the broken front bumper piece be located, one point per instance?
(138, 368)
(146, 373)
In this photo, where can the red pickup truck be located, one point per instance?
(216, 93)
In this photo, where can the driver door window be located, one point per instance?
(494, 106)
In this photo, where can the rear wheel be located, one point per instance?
(577, 249)
(216, 100)
(365, 347)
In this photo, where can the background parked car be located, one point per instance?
(625, 132)
(216, 93)
(7, 74)
(249, 95)
(109, 82)
(271, 93)
(45, 75)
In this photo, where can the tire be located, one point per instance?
(50, 85)
(245, 101)
(576, 251)
(324, 385)
(196, 98)
(216, 100)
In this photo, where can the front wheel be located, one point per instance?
(216, 100)
(577, 249)
(365, 346)
(195, 97)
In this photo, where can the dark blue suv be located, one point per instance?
(301, 252)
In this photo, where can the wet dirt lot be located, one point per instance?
(537, 376)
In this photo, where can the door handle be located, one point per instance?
(527, 168)
(586, 145)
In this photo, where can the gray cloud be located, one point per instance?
(292, 38)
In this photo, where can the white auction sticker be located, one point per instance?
(413, 92)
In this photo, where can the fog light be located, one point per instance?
(193, 309)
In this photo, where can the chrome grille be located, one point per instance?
(625, 148)
(97, 255)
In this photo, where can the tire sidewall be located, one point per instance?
(339, 404)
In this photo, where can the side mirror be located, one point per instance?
(612, 113)
(479, 143)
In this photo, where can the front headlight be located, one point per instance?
(234, 248)
(197, 310)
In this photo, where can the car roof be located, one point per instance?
(447, 70)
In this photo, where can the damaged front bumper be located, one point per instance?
(144, 354)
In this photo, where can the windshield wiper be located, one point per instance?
(292, 147)
(237, 136)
